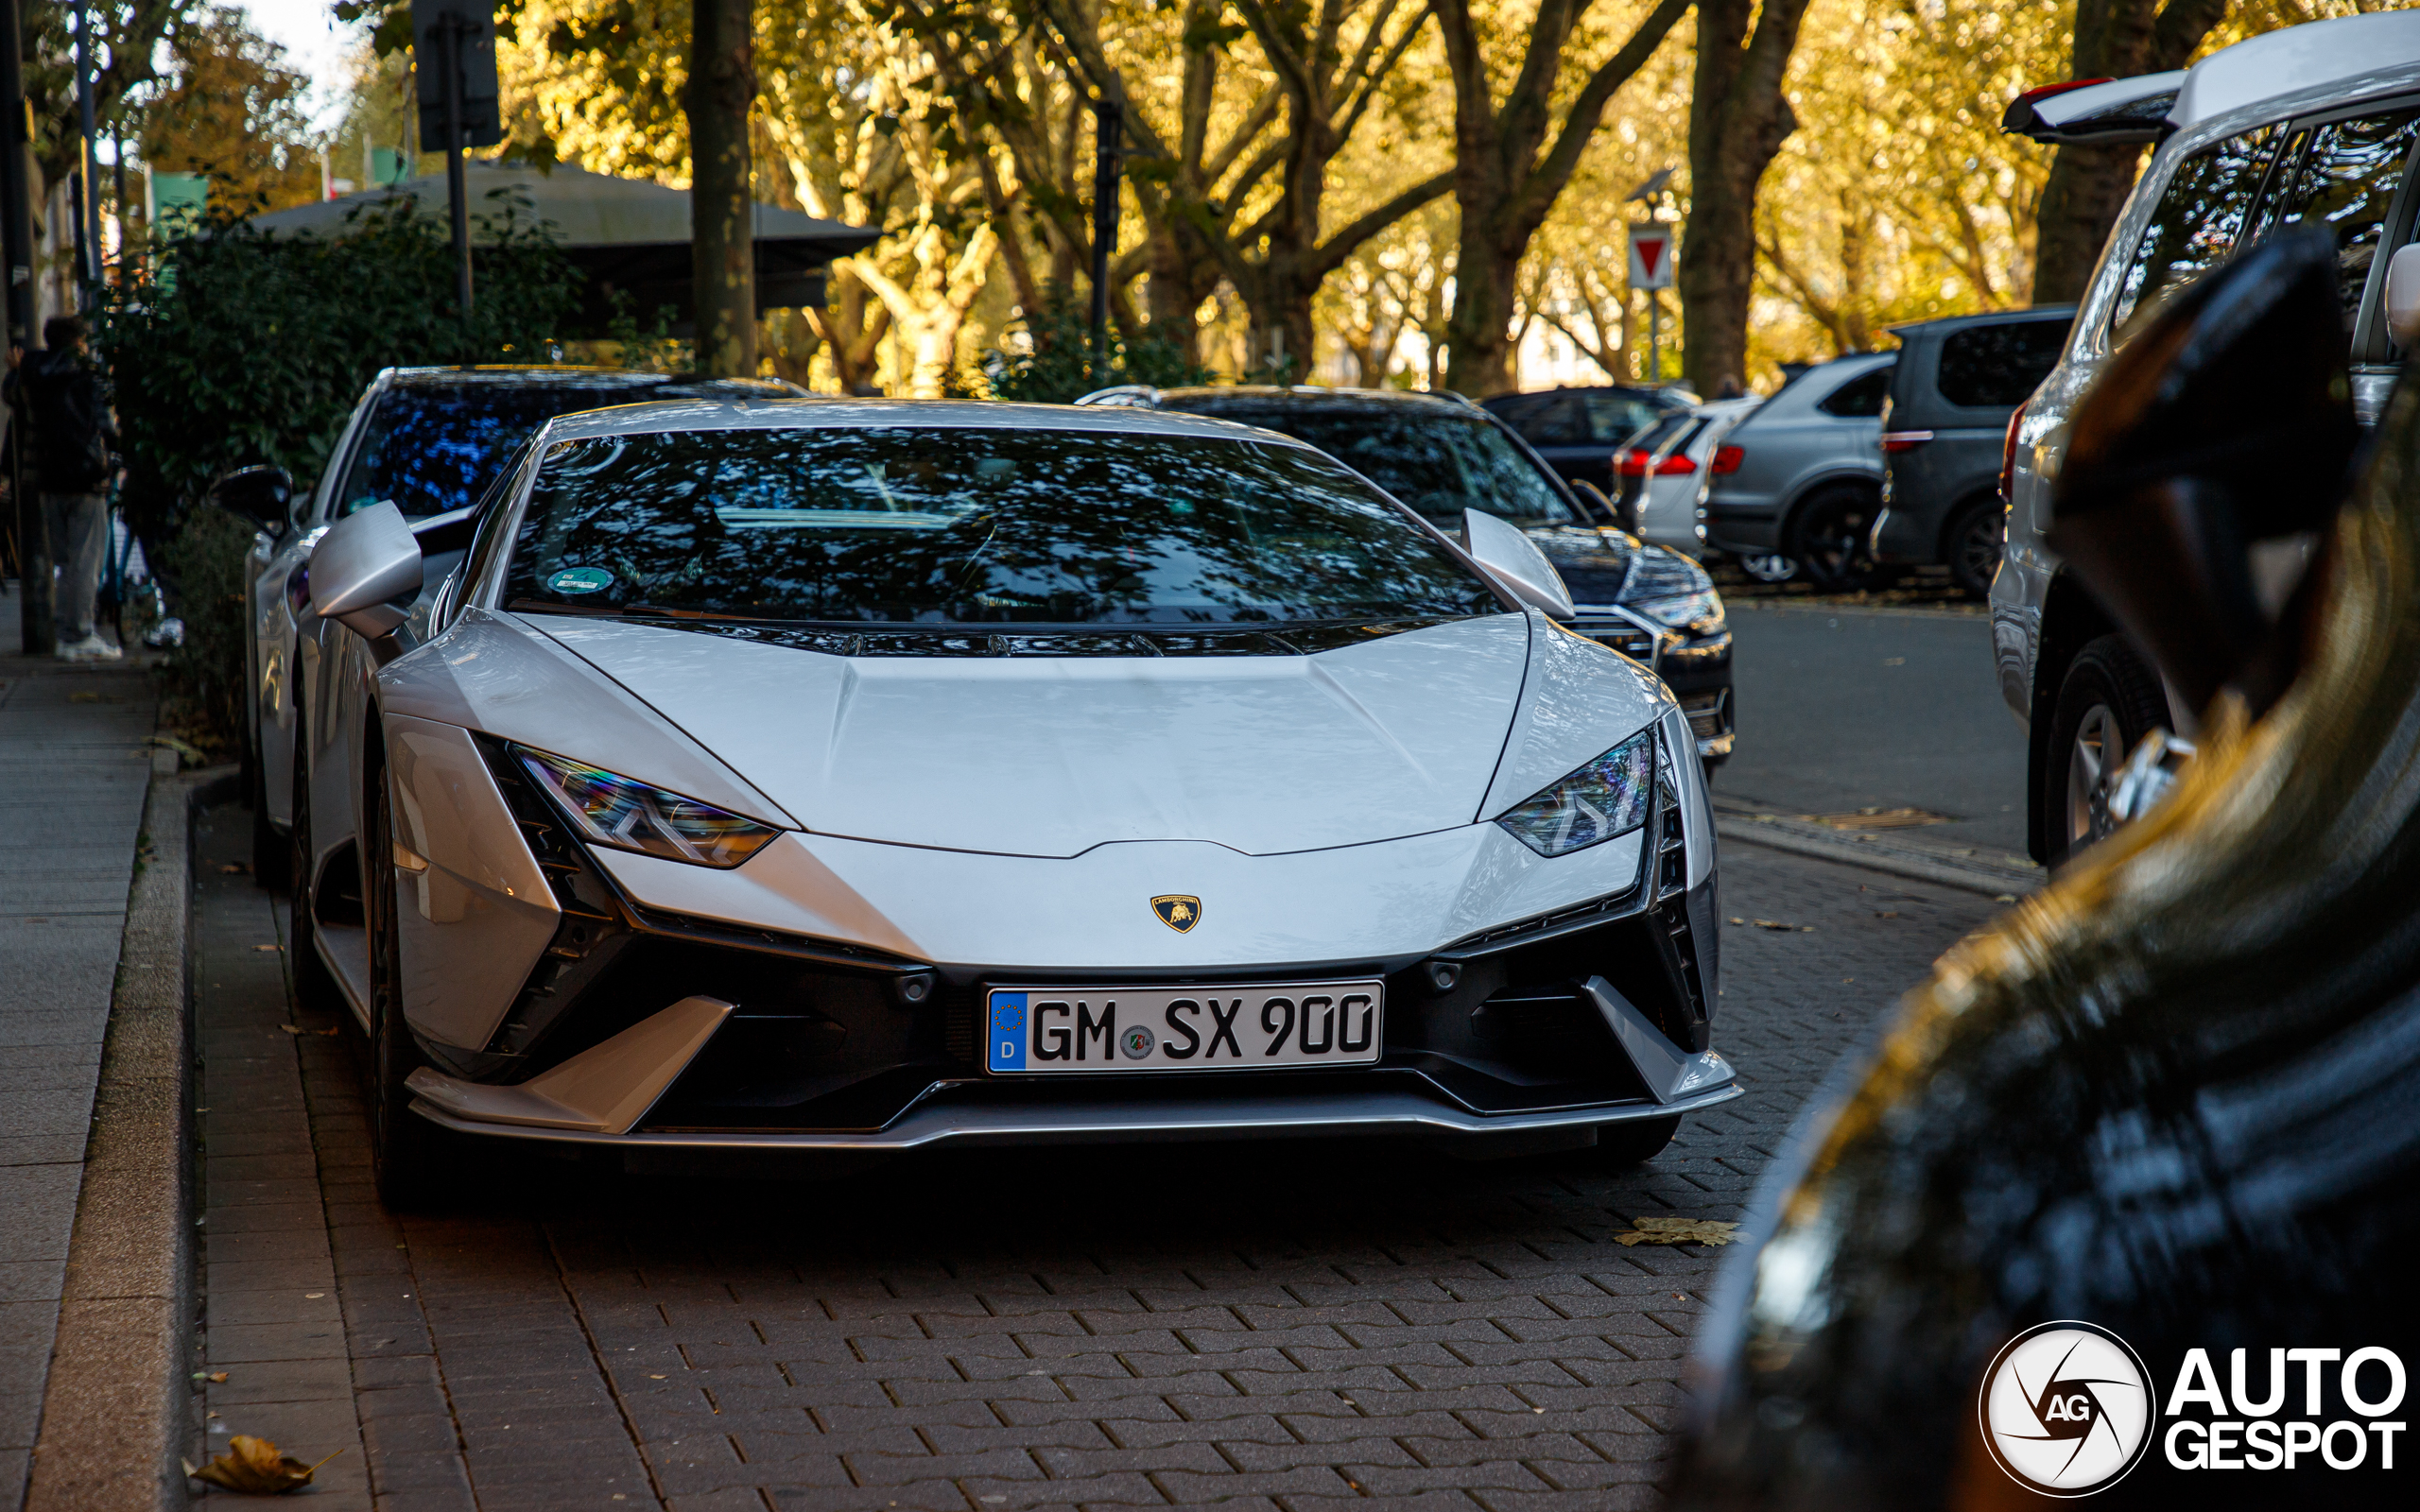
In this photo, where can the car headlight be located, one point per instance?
(1605, 798)
(1700, 612)
(609, 809)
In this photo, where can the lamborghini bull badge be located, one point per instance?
(1178, 911)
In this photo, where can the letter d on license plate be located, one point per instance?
(1231, 1027)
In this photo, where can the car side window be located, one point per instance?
(1616, 417)
(1991, 367)
(2204, 210)
(2346, 180)
(1556, 422)
(1859, 398)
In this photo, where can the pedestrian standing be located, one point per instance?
(72, 433)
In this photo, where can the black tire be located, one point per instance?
(1623, 1146)
(315, 990)
(1972, 546)
(407, 1152)
(1829, 537)
(2108, 702)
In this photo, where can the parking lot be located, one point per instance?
(1268, 1324)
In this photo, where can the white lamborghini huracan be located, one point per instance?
(868, 775)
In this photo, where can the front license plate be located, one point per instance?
(1042, 1029)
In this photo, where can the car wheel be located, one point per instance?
(1622, 1145)
(2108, 702)
(1974, 541)
(406, 1150)
(1769, 567)
(1828, 537)
(314, 989)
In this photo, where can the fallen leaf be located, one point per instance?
(1678, 1231)
(188, 751)
(212, 1376)
(253, 1467)
(269, 947)
(232, 867)
(1739, 920)
(293, 1028)
(1768, 923)
(1891, 914)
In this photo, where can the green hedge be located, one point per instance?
(237, 347)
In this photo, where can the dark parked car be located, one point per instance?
(1442, 455)
(1956, 385)
(1579, 431)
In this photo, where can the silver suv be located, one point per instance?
(2313, 125)
(1800, 480)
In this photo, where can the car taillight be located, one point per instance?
(2008, 455)
(1631, 464)
(1674, 465)
(1904, 441)
(1727, 460)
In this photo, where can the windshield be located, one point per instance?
(432, 450)
(971, 525)
(1433, 460)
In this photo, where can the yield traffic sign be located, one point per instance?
(1651, 256)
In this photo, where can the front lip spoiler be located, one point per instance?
(1311, 1115)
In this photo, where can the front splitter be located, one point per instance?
(1398, 1115)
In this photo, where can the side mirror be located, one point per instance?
(2223, 423)
(361, 566)
(261, 494)
(1515, 561)
(2403, 295)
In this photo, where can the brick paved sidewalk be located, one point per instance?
(1271, 1326)
(74, 770)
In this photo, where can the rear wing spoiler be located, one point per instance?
(2095, 111)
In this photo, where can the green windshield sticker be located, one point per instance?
(580, 580)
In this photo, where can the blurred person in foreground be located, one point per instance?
(73, 434)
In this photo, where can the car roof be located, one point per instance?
(2292, 58)
(1954, 322)
(1665, 394)
(709, 414)
(1208, 399)
(602, 380)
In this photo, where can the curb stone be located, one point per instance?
(112, 1418)
(1980, 872)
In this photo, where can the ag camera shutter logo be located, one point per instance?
(2067, 1409)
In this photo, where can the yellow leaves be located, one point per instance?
(253, 1467)
(1679, 1231)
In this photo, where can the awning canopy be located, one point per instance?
(627, 234)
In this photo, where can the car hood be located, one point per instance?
(1597, 566)
(1053, 755)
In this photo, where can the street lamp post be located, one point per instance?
(88, 223)
(1110, 120)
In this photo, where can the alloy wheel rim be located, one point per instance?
(1980, 551)
(2093, 760)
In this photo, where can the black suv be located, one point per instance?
(1442, 455)
(1580, 431)
(1956, 385)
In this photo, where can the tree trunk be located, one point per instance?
(722, 88)
(1508, 172)
(1737, 119)
(2088, 187)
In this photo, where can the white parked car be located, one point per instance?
(2314, 125)
(1663, 471)
(862, 776)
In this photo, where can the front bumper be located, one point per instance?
(1595, 1013)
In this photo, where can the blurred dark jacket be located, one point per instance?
(72, 430)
